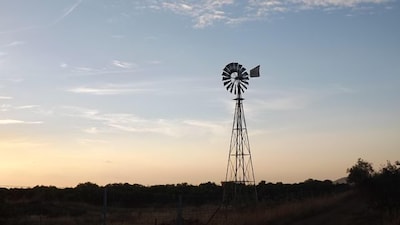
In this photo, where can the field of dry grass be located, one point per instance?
(343, 208)
(285, 213)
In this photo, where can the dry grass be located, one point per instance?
(392, 218)
(122, 216)
(300, 212)
(280, 214)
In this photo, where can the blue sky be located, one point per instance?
(131, 91)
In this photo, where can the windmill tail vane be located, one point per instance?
(255, 72)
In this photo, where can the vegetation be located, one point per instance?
(370, 197)
(382, 188)
(135, 195)
(360, 173)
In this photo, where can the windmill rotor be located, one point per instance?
(235, 78)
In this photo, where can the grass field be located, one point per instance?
(343, 208)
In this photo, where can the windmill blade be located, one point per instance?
(244, 78)
(244, 85)
(242, 70)
(241, 89)
(229, 67)
(245, 81)
(231, 87)
(228, 86)
(235, 66)
(239, 67)
(225, 78)
(227, 70)
(225, 74)
(235, 91)
(227, 82)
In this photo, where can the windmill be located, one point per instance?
(239, 185)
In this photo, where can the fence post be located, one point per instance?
(179, 218)
(105, 206)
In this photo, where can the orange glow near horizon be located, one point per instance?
(27, 163)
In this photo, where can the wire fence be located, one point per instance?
(191, 215)
(87, 215)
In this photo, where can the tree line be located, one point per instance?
(136, 195)
(381, 188)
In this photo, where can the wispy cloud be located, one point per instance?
(108, 90)
(5, 107)
(115, 67)
(126, 122)
(265, 7)
(12, 121)
(205, 12)
(211, 127)
(81, 69)
(122, 122)
(340, 3)
(67, 11)
(15, 43)
(27, 106)
(92, 130)
(121, 64)
(5, 97)
(8, 107)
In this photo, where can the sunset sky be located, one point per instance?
(130, 91)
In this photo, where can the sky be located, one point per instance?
(131, 92)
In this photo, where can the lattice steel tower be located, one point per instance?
(239, 186)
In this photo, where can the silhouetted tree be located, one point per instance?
(89, 192)
(382, 188)
(360, 173)
(385, 187)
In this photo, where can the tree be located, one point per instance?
(385, 190)
(391, 169)
(360, 173)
